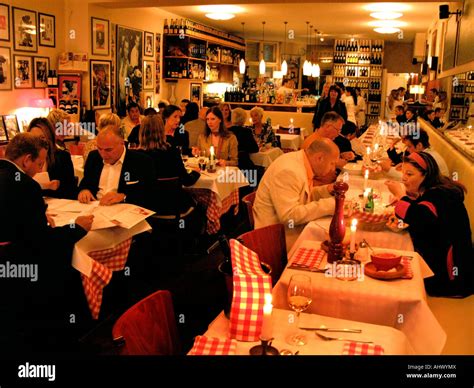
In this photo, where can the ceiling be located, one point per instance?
(340, 19)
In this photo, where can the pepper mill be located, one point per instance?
(337, 230)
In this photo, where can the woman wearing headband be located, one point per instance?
(432, 205)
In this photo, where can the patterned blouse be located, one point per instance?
(266, 136)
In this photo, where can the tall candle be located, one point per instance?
(366, 179)
(211, 153)
(267, 328)
(353, 234)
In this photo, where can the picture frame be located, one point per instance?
(100, 87)
(5, 69)
(129, 67)
(47, 30)
(70, 86)
(10, 123)
(195, 93)
(23, 71)
(148, 47)
(3, 132)
(157, 63)
(4, 22)
(100, 35)
(148, 100)
(25, 30)
(41, 71)
(148, 74)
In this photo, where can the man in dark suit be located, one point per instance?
(113, 174)
(35, 309)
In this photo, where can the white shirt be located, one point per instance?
(351, 108)
(110, 176)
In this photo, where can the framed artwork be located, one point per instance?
(23, 71)
(157, 63)
(148, 71)
(24, 30)
(69, 86)
(129, 55)
(5, 68)
(5, 22)
(149, 99)
(47, 30)
(3, 132)
(149, 42)
(100, 33)
(101, 79)
(195, 93)
(41, 69)
(11, 125)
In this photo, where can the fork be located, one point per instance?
(326, 338)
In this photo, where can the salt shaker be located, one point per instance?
(362, 253)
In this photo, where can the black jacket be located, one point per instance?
(136, 178)
(62, 170)
(246, 145)
(180, 139)
(325, 106)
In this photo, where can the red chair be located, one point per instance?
(248, 200)
(270, 245)
(148, 327)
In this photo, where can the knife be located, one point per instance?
(309, 269)
(328, 329)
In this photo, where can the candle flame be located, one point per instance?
(354, 222)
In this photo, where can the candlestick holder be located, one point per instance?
(212, 166)
(265, 349)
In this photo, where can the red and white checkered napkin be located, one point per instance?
(250, 286)
(104, 262)
(408, 270)
(307, 257)
(210, 346)
(369, 217)
(352, 348)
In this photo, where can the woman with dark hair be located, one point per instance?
(432, 205)
(176, 135)
(227, 113)
(58, 163)
(332, 103)
(216, 135)
(191, 113)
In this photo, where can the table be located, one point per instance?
(393, 341)
(462, 138)
(398, 303)
(266, 156)
(291, 142)
(78, 163)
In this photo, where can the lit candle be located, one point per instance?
(353, 234)
(376, 148)
(368, 151)
(267, 328)
(211, 154)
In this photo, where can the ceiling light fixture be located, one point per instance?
(386, 30)
(386, 7)
(262, 66)
(386, 15)
(242, 61)
(284, 65)
(307, 64)
(387, 23)
(315, 69)
(220, 12)
(220, 16)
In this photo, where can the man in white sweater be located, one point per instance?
(286, 194)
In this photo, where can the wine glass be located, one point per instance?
(195, 151)
(202, 161)
(299, 299)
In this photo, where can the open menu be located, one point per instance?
(124, 215)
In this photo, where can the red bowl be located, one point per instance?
(385, 261)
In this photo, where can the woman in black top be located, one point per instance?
(58, 163)
(168, 163)
(176, 135)
(331, 103)
(247, 144)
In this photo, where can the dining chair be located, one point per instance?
(290, 131)
(270, 245)
(148, 327)
(248, 200)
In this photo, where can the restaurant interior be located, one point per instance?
(345, 266)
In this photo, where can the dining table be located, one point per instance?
(266, 156)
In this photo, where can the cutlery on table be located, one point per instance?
(326, 338)
(306, 268)
(332, 329)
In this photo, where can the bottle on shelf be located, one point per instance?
(165, 27)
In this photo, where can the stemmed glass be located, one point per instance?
(195, 151)
(299, 299)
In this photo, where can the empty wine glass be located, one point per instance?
(195, 151)
(299, 299)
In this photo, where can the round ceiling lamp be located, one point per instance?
(387, 7)
(220, 16)
(220, 12)
(387, 30)
(386, 15)
(387, 23)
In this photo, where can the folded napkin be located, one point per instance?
(408, 270)
(306, 257)
(352, 348)
(210, 346)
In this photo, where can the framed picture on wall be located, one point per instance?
(24, 30)
(3, 132)
(149, 42)
(41, 69)
(5, 68)
(148, 98)
(47, 30)
(101, 78)
(157, 63)
(195, 93)
(11, 125)
(23, 71)
(100, 36)
(148, 71)
(69, 86)
(4, 22)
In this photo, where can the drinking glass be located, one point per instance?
(299, 299)
(202, 160)
(195, 152)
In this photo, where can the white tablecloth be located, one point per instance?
(265, 157)
(393, 341)
(398, 303)
(292, 142)
(78, 163)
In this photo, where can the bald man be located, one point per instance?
(113, 174)
(286, 193)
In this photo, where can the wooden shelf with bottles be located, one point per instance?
(197, 52)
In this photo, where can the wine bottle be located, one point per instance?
(165, 27)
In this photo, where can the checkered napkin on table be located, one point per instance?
(209, 346)
(104, 262)
(352, 348)
(250, 286)
(306, 257)
(369, 217)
